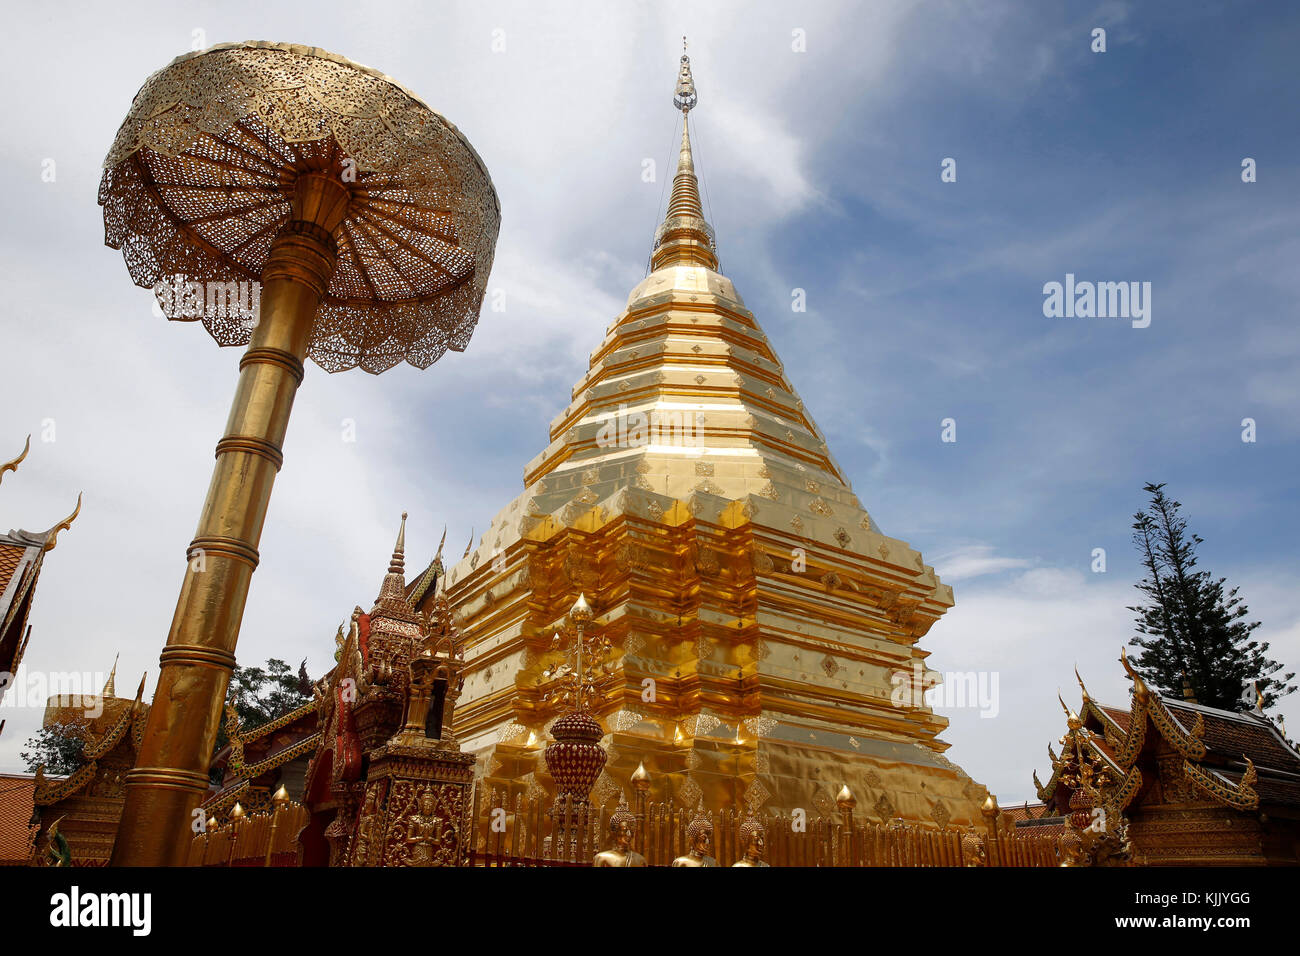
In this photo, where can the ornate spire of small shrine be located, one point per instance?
(684, 237)
(110, 686)
(392, 601)
(398, 564)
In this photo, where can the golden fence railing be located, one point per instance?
(265, 838)
(518, 830)
(535, 831)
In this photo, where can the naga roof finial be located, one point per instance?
(52, 536)
(1139, 686)
(12, 464)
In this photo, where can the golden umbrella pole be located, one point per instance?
(171, 772)
(370, 222)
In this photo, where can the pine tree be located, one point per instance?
(1191, 628)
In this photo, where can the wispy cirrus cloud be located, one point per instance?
(974, 561)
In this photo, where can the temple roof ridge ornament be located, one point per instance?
(52, 536)
(13, 463)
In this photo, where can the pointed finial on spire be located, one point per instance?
(139, 692)
(13, 464)
(845, 799)
(581, 613)
(684, 237)
(684, 97)
(110, 686)
(398, 564)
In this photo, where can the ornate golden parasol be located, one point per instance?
(364, 224)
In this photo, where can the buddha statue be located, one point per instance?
(699, 839)
(622, 826)
(753, 837)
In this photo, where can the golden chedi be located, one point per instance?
(756, 616)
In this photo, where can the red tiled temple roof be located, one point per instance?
(15, 811)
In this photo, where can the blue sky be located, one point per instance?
(821, 171)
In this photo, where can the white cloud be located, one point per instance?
(973, 561)
(1033, 630)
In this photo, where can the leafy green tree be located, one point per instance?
(58, 746)
(260, 695)
(1191, 627)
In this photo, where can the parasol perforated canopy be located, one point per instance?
(199, 179)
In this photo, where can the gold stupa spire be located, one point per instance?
(398, 563)
(684, 237)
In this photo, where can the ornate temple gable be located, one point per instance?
(1236, 792)
(297, 714)
(292, 751)
(1227, 735)
(87, 804)
(252, 757)
(1166, 762)
(119, 724)
(22, 553)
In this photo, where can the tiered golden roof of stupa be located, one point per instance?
(757, 611)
